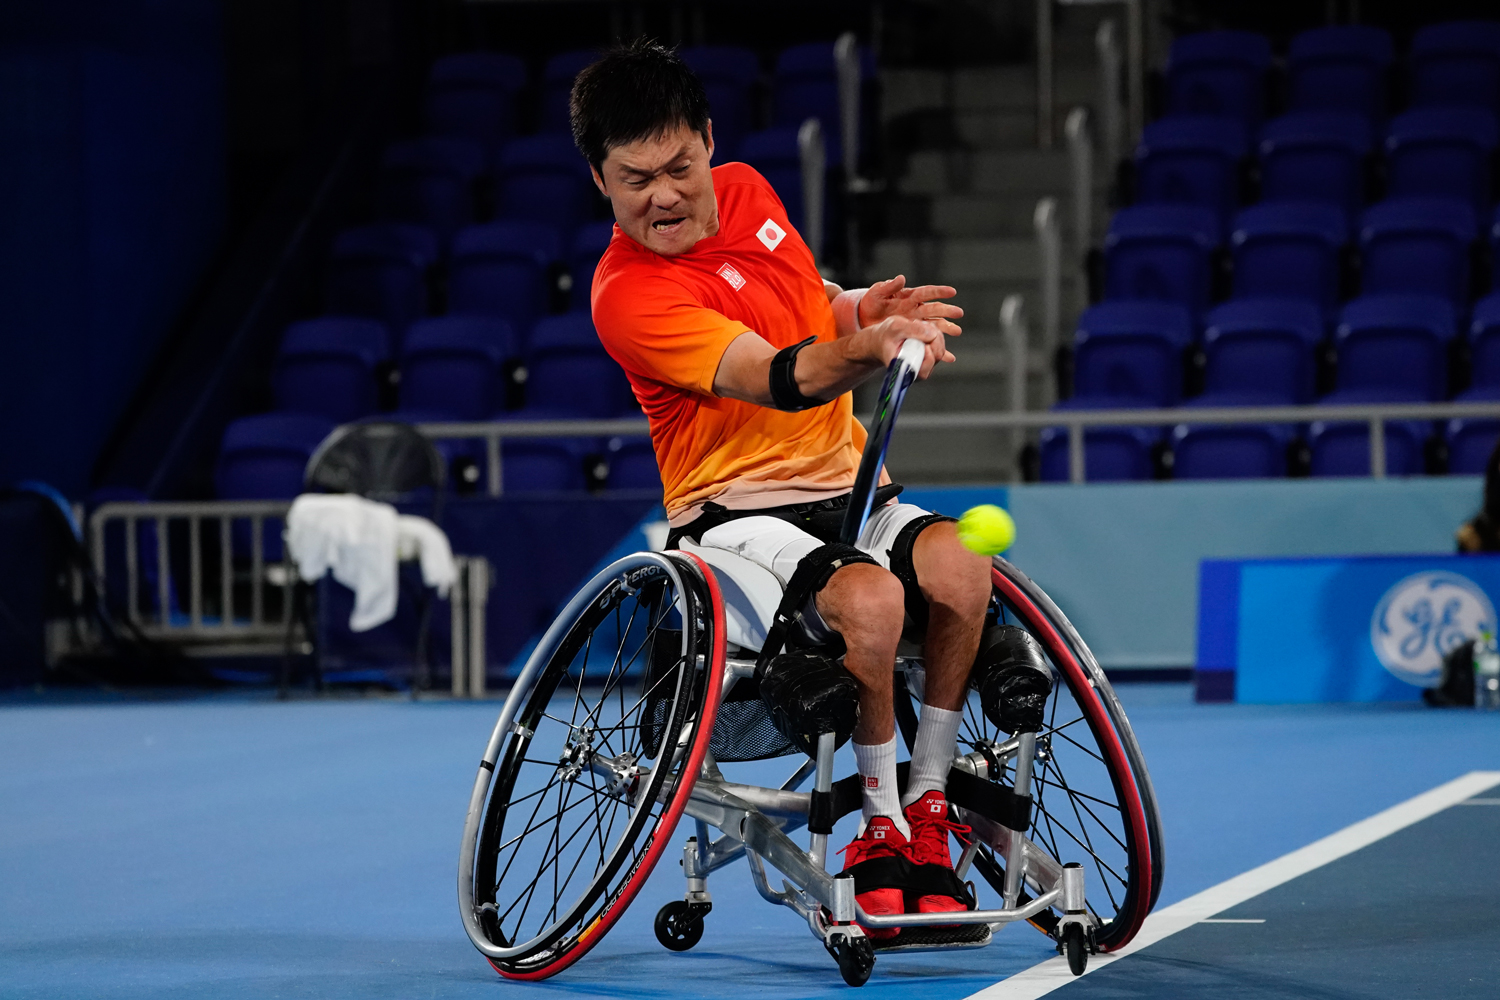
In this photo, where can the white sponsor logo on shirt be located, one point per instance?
(729, 274)
(770, 234)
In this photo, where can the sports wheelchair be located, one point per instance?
(647, 681)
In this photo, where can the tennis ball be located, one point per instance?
(986, 529)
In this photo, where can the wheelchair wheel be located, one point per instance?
(1092, 794)
(611, 721)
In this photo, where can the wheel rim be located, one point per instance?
(583, 801)
(1086, 803)
(1086, 798)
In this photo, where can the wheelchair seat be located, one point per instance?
(751, 594)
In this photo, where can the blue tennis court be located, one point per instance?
(235, 846)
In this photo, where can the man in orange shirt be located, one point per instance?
(743, 359)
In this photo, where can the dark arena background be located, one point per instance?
(1231, 361)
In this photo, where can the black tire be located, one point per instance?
(856, 957)
(1091, 789)
(1075, 948)
(640, 661)
(678, 925)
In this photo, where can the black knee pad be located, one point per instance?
(808, 693)
(1013, 679)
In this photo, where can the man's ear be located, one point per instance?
(598, 180)
(708, 138)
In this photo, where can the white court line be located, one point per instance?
(1232, 920)
(1052, 974)
(1480, 802)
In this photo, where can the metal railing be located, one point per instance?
(1076, 421)
(1013, 324)
(1109, 67)
(213, 607)
(237, 602)
(1049, 270)
(812, 155)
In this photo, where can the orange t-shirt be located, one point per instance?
(668, 320)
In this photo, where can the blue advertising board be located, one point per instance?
(1356, 629)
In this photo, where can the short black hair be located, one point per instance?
(635, 91)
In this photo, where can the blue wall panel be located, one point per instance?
(112, 140)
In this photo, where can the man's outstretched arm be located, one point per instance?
(886, 315)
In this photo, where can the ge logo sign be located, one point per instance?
(1422, 618)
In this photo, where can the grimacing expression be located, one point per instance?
(661, 189)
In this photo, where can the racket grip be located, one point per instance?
(911, 355)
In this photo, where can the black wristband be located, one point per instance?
(784, 392)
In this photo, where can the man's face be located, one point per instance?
(662, 191)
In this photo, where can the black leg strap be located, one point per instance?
(906, 572)
(812, 573)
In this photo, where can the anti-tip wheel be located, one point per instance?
(679, 925)
(856, 957)
(1076, 948)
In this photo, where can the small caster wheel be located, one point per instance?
(1076, 948)
(855, 955)
(679, 925)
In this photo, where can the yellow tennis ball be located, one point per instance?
(986, 529)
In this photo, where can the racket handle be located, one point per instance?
(911, 355)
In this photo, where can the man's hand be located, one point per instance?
(886, 299)
(880, 343)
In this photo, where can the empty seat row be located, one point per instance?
(1299, 250)
(1318, 155)
(508, 270)
(1239, 451)
(1341, 67)
(452, 368)
(264, 457)
(1266, 351)
(475, 94)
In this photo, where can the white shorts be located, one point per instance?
(779, 545)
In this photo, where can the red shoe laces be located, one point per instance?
(933, 845)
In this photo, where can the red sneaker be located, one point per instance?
(877, 858)
(928, 849)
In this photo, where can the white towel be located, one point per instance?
(420, 539)
(360, 541)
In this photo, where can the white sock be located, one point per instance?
(877, 766)
(932, 755)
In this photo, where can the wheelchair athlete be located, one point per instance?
(743, 359)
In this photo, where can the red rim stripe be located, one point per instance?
(1113, 748)
(595, 932)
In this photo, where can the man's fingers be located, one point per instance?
(926, 293)
(948, 329)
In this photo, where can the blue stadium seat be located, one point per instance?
(568, 370)
(1472, 441)
(502, 269)
(473, 94)
(1219, 73)
(1316, 156)
(543, 178)
(1396, 344)
(263, 457)
(1289, 250)
(1342, 448)
(1229, 451)
(543, 464)
(326, 367)
(1457, 62)
(1495, 250)
(1192, 159)
(381, 272)
(431, 181)
(1161, 252)
(805, 85)
(1110, 454)
(588, 246)
(1262, 346)
(453, 365)
(1442, 152)
(1341, 67)
(1484, 342)
(632, 464)
(729, 74)
(773, 152)
(1132, 350)
(557, 85)
(1419, 246)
